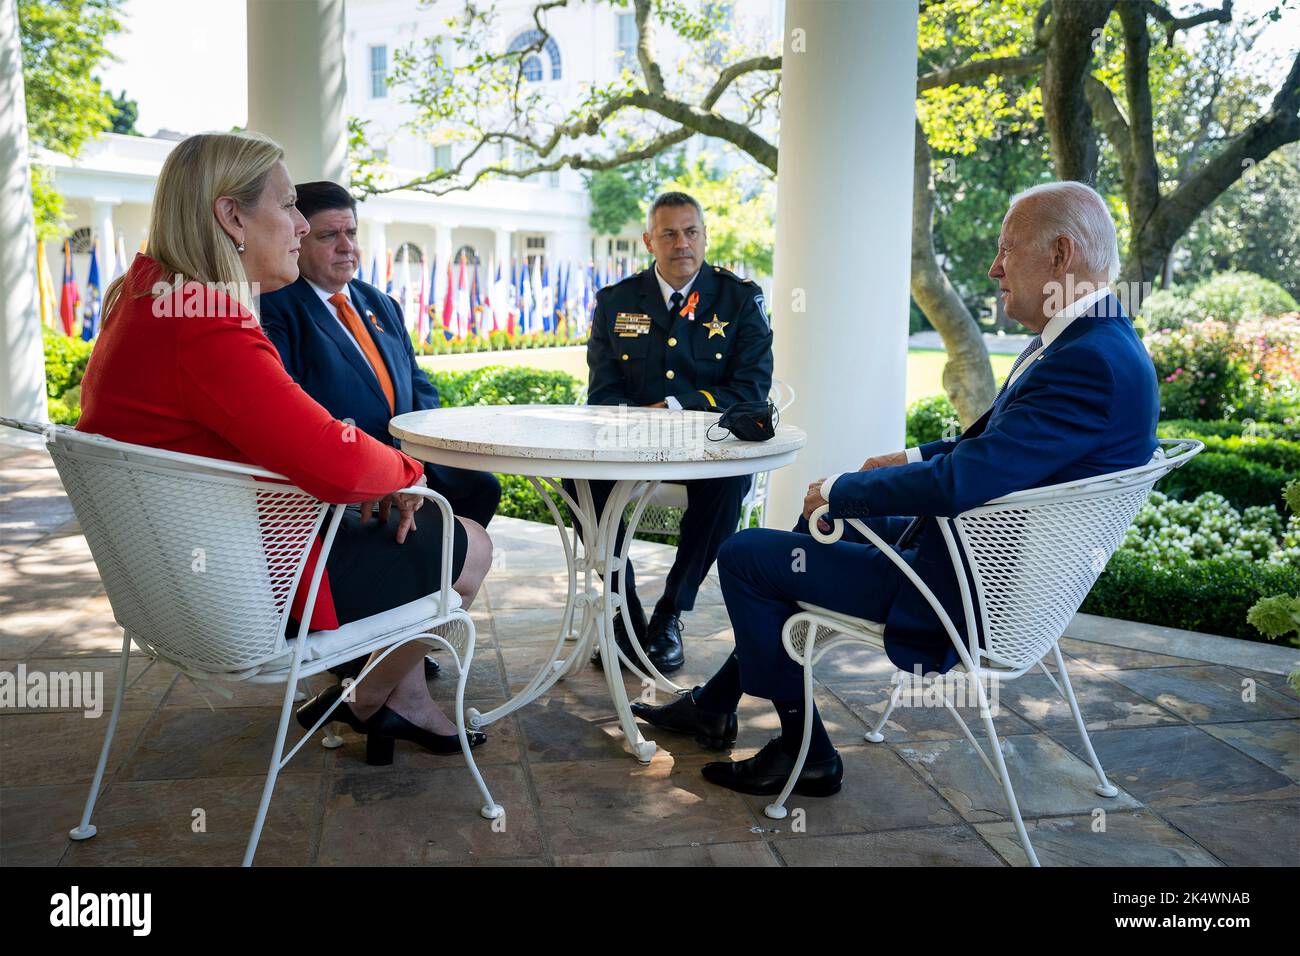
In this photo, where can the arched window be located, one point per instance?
(409, 252)
(82, 240)
(534, 69)
(468, 252)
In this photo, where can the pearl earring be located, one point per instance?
(240, 248)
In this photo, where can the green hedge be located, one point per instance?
(1241, 481)
(65, 364)
(506, 385)
(1190, 428)
(929, 419)
(1208, 596)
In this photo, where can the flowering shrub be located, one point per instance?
(1211, 370)
(1229, 297)
(1270, 354)
(1199, 370)
(1209, 527)
(1236, 296)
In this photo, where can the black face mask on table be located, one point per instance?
(748, 421)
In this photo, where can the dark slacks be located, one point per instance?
(471, 494)
(765, 573)
(712, 510)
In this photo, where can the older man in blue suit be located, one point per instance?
(1081, 400)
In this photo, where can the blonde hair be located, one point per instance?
(185, 237)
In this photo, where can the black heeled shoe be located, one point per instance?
(311, 711)
(386, 726)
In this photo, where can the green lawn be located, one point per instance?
(925, 372)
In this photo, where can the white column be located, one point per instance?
(22, 362)
(297, 84)
(501, 246)
(102, 219)
(443, 249)
(842, 257)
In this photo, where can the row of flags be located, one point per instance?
(533, 295)
(529, 295)
(65, 304)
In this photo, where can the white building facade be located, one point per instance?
(109, 187)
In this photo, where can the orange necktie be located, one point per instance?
(358, 330)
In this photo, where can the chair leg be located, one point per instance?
(85, 830)
(273, 771)
(776, 810)
(1104, 787)
(491, 810)
(874, 735)
(987, 716)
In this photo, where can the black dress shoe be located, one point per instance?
(431, 668)
(766, 772)
(683, 716)
(664, 642)
(311, 711)
(386, 726)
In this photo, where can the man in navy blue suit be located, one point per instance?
(367, 376)
(345, 342)
(1081, 400)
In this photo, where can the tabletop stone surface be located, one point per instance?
(585, 433)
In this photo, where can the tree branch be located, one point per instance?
(1173, 24)
(1179, 209)
(654, 77)
(978, 69)
(1142, 180)
(1113, 124)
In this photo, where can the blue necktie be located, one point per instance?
(1033, 345)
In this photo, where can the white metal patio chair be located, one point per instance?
(201, 559)
(663, 513)
(1032, 557)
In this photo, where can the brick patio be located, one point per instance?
(1207, 772)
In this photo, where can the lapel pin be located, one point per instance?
(373, 321)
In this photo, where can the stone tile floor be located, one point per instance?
(1206, 754)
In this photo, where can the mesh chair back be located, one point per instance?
(1035, 555)
(199, 558)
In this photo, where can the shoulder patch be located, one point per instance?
(762, 307)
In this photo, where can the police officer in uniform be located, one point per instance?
(681, 334)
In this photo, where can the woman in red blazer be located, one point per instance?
(224, 221)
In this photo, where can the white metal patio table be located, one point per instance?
(636, 448)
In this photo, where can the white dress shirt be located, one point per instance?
(667, 291)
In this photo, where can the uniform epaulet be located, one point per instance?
(731, 275)
(623, 281)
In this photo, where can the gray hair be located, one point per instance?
(1076, 210)
(671, 199)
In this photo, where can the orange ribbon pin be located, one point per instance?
(688, 309)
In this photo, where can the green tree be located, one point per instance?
(739, 215)
(620, 196)
(1254, 227)
(64, 42)
(125, 113)
(1100, 69)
